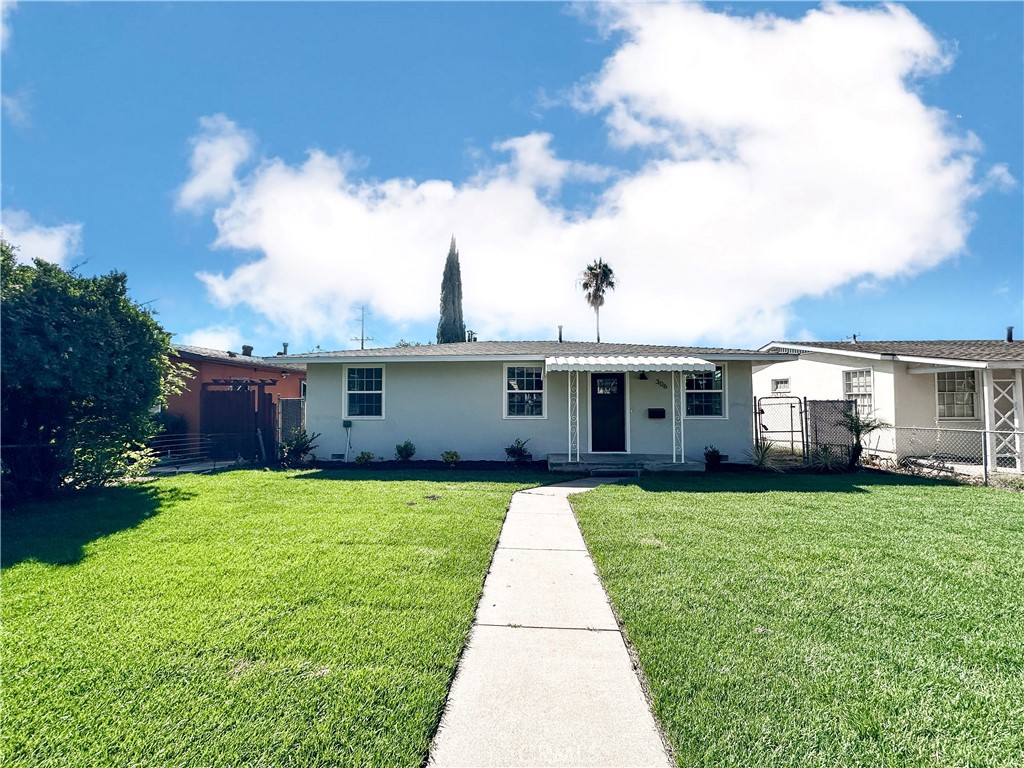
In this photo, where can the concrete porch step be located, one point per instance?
(617, 472)
(623, 465)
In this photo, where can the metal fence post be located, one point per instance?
(984, 455)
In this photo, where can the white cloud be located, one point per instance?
(221, 337)
(6, 7)
(15, 109)
(787, 158)
(217, 152)
(1000, 178)
(535, 165)
(35, 241)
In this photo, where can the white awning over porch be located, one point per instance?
(607, 363)
(676, 366)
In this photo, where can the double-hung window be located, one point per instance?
(955, 394)
(524, 391)
(364, 392)
(705, 393)
(857, 387)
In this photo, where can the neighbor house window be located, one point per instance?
(524, 391)
(364, 392)
(857, 387)
(705, 392)
(955, 394)
(780, 385)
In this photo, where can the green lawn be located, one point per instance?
(245, 618)
(859, 620)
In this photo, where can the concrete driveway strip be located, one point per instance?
(546, 679)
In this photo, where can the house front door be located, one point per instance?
(608, 412)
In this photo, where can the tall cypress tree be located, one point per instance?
(451, 328)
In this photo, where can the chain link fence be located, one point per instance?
(970, 454)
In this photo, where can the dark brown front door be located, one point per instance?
(608, 412)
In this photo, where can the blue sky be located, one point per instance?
(751, 172)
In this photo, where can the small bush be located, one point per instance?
(405, 451)
(451, 458)
(712, 458)
(365, 457)
(297, 450)
(825, 458)
(517, 452)
(765, 457)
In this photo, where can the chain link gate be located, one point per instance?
(291, 417)
(779, 419)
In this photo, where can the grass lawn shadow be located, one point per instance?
(57, 531)
(510, 475)
(764, 482)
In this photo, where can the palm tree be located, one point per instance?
(597, 278)
(860, 427)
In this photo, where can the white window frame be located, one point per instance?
(346, 393)
(780, 386)
(505, 391)
(974, 398)
(724, 391)
(851, 393)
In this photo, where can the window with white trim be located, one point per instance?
(364, 392)
(780, 385)
(705, 392)
(524, 391)
(955, 394)
(857, 387)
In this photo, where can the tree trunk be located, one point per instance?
(597, 313)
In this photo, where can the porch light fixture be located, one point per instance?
(642, 376)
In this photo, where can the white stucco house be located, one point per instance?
(960, 393)
(574, 401)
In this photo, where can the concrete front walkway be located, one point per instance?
(546, 678)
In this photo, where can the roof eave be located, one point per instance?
(825, 350)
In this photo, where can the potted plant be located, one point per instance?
(516, 453)
(712, 459)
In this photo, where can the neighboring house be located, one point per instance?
(952, 389)
(233, 394)
(572, 401)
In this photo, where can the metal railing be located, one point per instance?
(192, 449)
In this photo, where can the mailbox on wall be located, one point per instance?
(655, 413)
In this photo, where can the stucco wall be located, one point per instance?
(460, 406)
(820, 377)
(439, 406)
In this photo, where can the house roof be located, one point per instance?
(187, 352)
(981, 351)
(533, 350)
(628, 363)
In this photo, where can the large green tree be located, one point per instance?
(451, 327)
(83, 367)
(597, 278)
